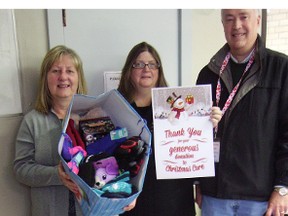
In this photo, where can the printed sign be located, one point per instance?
(183, 132)
(111, 80)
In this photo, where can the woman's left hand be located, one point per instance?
(130, 206)
(66, 180)
(215, 116)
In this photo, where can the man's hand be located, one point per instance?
(277, 205)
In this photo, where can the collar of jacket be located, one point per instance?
(250, 81)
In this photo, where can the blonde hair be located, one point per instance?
(44, 99)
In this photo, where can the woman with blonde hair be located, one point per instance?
(36, 161)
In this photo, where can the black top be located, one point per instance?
(173, 197)
(237, 71)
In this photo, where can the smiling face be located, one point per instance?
(62, 78)
(241, 28)
(145, 77)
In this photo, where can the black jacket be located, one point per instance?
(254, 130)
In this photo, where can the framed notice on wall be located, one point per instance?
(10, 96)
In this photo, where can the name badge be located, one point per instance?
(216, 146)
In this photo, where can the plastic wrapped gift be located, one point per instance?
(122, 115)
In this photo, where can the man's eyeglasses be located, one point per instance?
(141, 65)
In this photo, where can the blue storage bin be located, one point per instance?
(122, 115)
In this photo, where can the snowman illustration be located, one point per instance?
(178, 111)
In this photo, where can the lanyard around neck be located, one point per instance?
(235, 89)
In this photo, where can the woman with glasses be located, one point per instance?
(142, 71)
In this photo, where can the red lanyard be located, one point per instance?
(235, 89)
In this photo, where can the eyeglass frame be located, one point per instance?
(146, 64)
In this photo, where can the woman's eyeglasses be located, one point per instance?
(141, 65)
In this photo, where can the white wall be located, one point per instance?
(202, 37)
(103, 39)
(32, 44)
(201, 33)
(189, 36)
